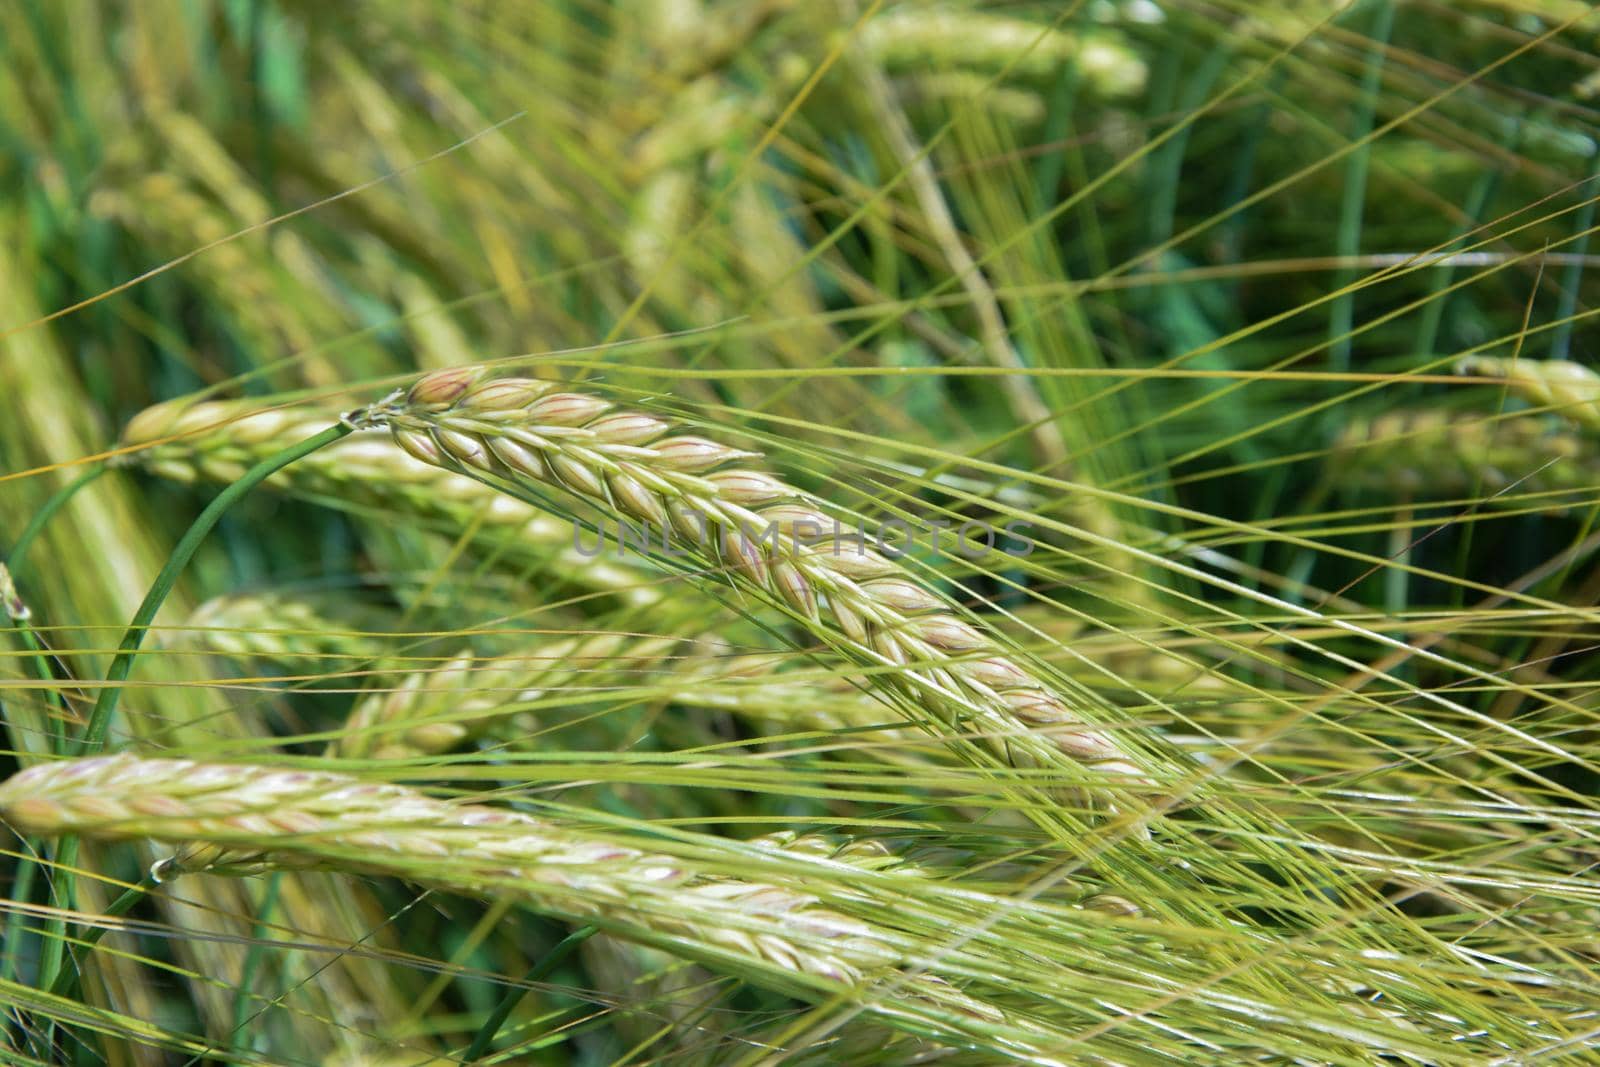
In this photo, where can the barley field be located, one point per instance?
(751, 532)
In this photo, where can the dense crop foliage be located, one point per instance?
(1210, 384)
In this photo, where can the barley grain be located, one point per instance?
(436, 710)
(944, 92)
(1570, 389)
(1440, 452)
(320, 819)
(440, 709)
(920, 40)
(871, 608)
(756, 688)
(217, 441)
(290, 633)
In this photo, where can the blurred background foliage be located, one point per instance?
(1181, 262)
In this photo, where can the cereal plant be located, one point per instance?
(731, 532)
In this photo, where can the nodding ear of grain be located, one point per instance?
(237, 817)
(438, 709)
(294, 634)
(918, 40)
(1437, 453)
(217, 441)
(1571, 390)
(870, 607)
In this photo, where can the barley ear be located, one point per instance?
(217, 441)
(1571, 390)
(939, 660)
(239, 818)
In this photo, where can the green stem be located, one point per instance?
(1353, 203)
(105, 705)
(1439, 279)
(21, 891)
(52, 946)
(1572, 277)
(94, 734)
(46, 512)
(65, 983)
(22, 721)
(502, 1011)
(14, 605)
(239, 1035)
